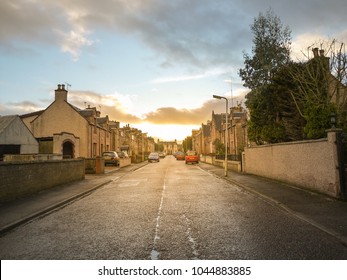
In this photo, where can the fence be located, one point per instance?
(229, 157)
(219, 160)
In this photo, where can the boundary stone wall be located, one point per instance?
(23, 178)
(309, 164)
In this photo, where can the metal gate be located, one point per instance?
(341, 143)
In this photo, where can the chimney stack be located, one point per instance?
(61, 93)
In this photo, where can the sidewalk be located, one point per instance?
(327, 214)
(20, 211)
(323, 212)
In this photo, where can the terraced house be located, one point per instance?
(205, 139)
(64, 129)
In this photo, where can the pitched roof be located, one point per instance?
(102, 120)
(5, 121)
(217, 118)
(206, 128)
(86, 113)
(32, 114)
(238, 114)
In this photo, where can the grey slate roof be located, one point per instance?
(206, 128)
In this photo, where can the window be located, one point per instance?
(94, 149)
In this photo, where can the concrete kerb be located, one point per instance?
(47, 210)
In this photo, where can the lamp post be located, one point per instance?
(333, 120)
(142, 146)
(235, 146)
(226, 134)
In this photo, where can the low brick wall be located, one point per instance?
(94, 165)
(97, 165)
(124, 162)
(232, 165)
(24, 178)
(309, 164)
(207, 159)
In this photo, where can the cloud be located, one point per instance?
(195, 33)
(119, 107)
(181, 78)
(26, 22)
(167, 132)
(177, 78)
(177, 31)
(190, 37)
(74, 41)
(19, 108)
(196, 116)
(304, 43)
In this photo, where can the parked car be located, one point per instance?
(123, 154)
(162, 155)
(153, 157)
(111, 157)
(180, 156)
(192, 157)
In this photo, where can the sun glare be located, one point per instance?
(168, 132)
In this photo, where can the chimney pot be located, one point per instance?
(315, 52)
(63, 87)
(321, 53)
(59, 86)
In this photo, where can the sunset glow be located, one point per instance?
(152, 64)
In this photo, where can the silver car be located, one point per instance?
(153, 157)
(111, 157)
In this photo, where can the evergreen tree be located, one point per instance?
(271, 51)
(187, 144)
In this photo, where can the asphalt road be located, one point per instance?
(169, 210)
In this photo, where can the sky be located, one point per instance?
(153, 64)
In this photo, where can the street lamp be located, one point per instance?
(333, 120)
(226, 134)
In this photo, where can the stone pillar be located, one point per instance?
(335, 137)
(99, 165)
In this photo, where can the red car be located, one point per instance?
(192, 157)
(180, 156)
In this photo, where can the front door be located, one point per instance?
(68, 150)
